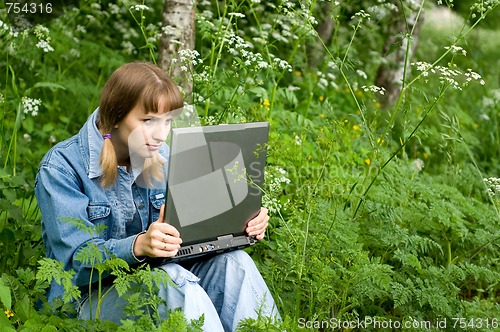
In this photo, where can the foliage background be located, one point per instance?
(378, 212)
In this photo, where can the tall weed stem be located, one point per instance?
(431, 107)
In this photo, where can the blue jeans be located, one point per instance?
(225, 288)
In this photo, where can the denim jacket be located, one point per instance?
(67, 186)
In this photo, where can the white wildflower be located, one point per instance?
(361, 73)
(31, 106)
(139, 8)
(114, 9)
(492, 186)
(362, 15)
(237, 15)
(128, 47)
(456, 49)
(484, 116)
(276, 178)
(418, 164)
(41, 32)
(374, 89)
(74, 53)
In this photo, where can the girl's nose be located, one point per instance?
(161, 131)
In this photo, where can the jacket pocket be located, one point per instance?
(98, 215)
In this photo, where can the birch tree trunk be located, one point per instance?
(390, 74)
(316, 51)
(178, 33)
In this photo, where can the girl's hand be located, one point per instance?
(160, 240)
(257, 226)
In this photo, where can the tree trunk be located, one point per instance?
(316, 50)
(178, 33)
(390, 74)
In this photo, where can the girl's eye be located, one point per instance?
(150, 120)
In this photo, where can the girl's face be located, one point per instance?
(140, 135)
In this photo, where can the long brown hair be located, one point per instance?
(136, 83)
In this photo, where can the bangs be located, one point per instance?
(151, 95)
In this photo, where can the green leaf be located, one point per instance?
(48, 127)
(48, 85)
(5, 296)
(7, 237)
(28, 124)
(4, 174)
(24, 308)
(49, 328)
(5, 324)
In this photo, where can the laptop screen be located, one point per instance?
(214, 178)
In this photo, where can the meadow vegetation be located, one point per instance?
(380, 214)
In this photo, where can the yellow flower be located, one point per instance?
(9, 313)
(355, 127)
(476, 126)
(377, 105)
(359, 93)
(297, 73)
(368, 161)
(321, 98)
(266, 102)
(322, 115)
(426, 155)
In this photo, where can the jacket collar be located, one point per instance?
(93, 141)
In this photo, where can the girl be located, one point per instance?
(105, 175)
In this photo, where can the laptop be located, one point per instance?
(214, 181)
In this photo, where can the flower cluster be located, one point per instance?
(280, 63)
(374, 89)
(449, 76)
(139, 8)
(361, 16)
(237, 46)
(42, 34)
(482, 7)
(5, 27)
(492, 186)
(31, 106)
(275, 178)
(456, 49)
(380, 10)
(423, 67)
(473, 76)
(328, 78)
(190, 56)
(418, 164)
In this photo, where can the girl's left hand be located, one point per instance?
(257, 226)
